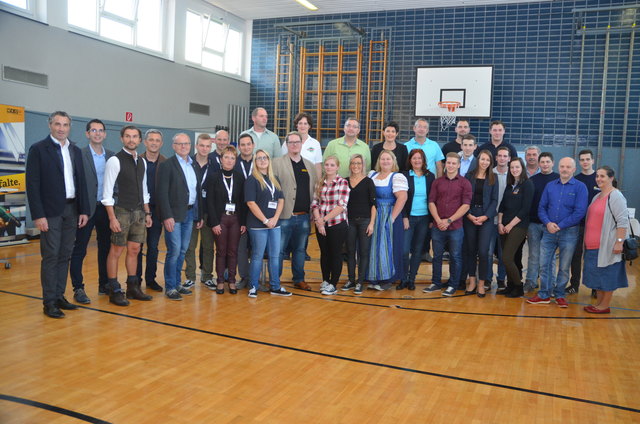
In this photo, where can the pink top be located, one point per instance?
(593, 225)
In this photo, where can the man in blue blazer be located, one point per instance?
(57, 195)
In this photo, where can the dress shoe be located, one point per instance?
(411, 285)
(118, 298)
(517, 291)
(234, 289)
(302, 285)
(52, 311)
(481, 295)
(593, 310)
(154, 286)
(135, 292)
(402, 285)
(475, 289)
(63, 303)
(220, 288)
(505, 291)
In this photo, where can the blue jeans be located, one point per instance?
(294, 234)
(177, 243)
(153, 238)
(494, 246)
(534, 238)
(261, 239)
(565, 241)
(414, 240)
(438, 240)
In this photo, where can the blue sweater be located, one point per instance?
(539, 181)
(563, 204)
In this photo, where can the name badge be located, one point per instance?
(204, 194)
(230, 207)
(273, 205)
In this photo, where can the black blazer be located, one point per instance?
(489, 195)
(217, 197)
(172, 192)
(45, 180)
(412, 188)
(91, 177)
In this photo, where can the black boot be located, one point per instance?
(134, 291)
(517, 291)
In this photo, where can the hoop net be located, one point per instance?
(448, 116)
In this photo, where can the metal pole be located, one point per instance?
(575, 147)
(603, 100)
(626, 109)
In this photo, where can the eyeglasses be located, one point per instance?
(95, 130)
(294, 142)
(261, 158)
(182, 144)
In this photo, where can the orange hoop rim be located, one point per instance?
(450, 105)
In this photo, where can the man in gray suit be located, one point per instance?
(94, 159)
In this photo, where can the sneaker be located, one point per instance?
(280, 292)
(209, 284)
(324, 285)
(377, 287)
(450, 291)
(358, 289)
(348, 286)
(371, 286)
(183, 290)
(253, 292)
(535, 300)
(188, 284)
(572, 290)
(329, 290)
(432, 288)
(562, 302)
(80, 296)
(174, 295)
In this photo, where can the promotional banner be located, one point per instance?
(12, 177)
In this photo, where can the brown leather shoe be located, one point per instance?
(302, 286)
(135, 292)
(118, 298)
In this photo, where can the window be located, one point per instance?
(28, 8)
(138, 23)
(20, 4)
(213, 45)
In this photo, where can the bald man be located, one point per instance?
(221, 141)
(562, 206)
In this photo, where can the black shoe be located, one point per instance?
(402, 285)
(234, 289)
(505, 291)
(80, 296)
(118, 298)
(572, 290)
(52, 311)
(220, 290)
(183, 290)
(481, 294)
(475, 289)
(154, 286)
(411, 285)
(518, 291)
(63, 303)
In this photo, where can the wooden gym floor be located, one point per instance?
(392, 356)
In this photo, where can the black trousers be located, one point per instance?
(331, 252)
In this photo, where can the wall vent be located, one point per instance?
(198, 109)
(26, 77)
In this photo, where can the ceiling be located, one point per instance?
(263, 9)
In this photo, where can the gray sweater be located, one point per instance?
(608, 237)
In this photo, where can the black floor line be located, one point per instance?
(354, 360)
(53, 408)
(333, 298)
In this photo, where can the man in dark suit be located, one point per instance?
(94, 159)
(179, 206)
(57, 196)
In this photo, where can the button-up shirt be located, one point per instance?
(99, 162)
(69, 185)
(190, 175)
(333, 194)
(564, 204)
(448, 194)
(465, 163)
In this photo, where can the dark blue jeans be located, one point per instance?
(294, 233)
(99, 220)
(454, 239)
(153, 238)
(414, 241)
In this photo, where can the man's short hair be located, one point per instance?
(545, 155)
(95, 121)
(536, 148)
(286, 139)
(255, 111)
(469, 137)
(585, 152)
(421, 120)
(503, 148)
(497, 122)
(245, 136)
(453, 155)
(351, 118)
(59, 113)
(462, 120)
(299, 117)
(130, 127)
(150, 131)
(203, 136)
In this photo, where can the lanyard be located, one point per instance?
(244, 171)
(272, 189)
(204, 176)
(229, 187)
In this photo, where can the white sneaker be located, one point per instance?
(188, 284)
(253, 292)
(450, 291)
(432, 288)
(329, 290)
(324, 285)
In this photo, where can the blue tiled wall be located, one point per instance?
(535, 53)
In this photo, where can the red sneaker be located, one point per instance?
(535, 300)
(562, 302)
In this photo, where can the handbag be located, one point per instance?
(630, 245)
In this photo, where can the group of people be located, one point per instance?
(384, 208)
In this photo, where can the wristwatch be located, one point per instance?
(449, 221)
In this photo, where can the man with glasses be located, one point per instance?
(348, 145)
(179, 206)
(94, 159)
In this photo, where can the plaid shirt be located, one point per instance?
(334, 194)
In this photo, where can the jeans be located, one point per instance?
(294, 235)
(534, 237)
(99, 220)
(414, 240)
(331, 252)
(358, 248)
(438, 240)
(477, 241)
(565, 241)
(177, 243)
(496, 246)
(261, 239)
(576, 262)
(153, 238)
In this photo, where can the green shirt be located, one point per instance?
(343, 152)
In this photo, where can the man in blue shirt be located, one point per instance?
(562, 206)
(431, 148)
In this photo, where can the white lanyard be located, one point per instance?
(204, 176)
(229, 187)
(244, 171)
(272, 189)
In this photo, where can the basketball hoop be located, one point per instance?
(448, 116)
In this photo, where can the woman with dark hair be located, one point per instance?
(478, 225)
(311, 150)
(513, 220)
(416, 216)
(227, 216)
(329, 213)
(605, 230)
(390, 133)
(361, 211)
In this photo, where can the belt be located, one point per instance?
(229, 213)
(189, 207)
(300, 213)
(72, 200)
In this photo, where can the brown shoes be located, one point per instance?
(135, 292)
(302, 286)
